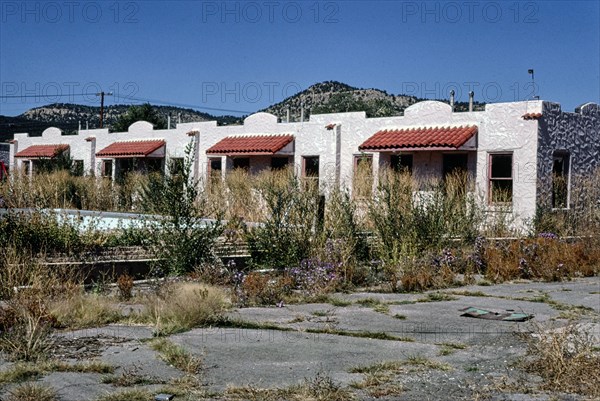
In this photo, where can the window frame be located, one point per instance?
(209, 167)
(78, 168)
(491, 179)
(304, 165)
(106, 162)
(355, 161)
(27, 167)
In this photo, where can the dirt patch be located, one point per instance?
(82, 348)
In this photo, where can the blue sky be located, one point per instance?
(243, 56)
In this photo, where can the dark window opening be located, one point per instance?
(500, 178)
(176, 166)
(152, 165)
(454, 164)
(107, 167)
(215, 166)
(241, 162)
(77, 168)
(560, 180)
(124, 167)
(26, 167)
(311, 166)
(279, 162)
(214, 169)
(401, 163)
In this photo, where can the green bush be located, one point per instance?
(285, 236)
(182, 239)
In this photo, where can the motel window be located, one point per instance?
(310, 167)
(279, 162)
(153, 165)
(214, 168)
(362, 184)
(310, 171)
(454, 164)
(176, 166)
(107, 168)
(241, 162)
(402, 163)
(77, 168)
(26, 167)
(560, 180)
(500, 178)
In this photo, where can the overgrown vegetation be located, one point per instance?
(177, 307)
(406, 235)
(32, 392)
(176, 356)
(565, 358)
(182, 238)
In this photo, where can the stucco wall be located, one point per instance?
(503, 130)
(577, 133)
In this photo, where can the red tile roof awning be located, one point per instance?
(131, 149)
(42, 151)
(531, 116)
(250, 145)
(420, 137)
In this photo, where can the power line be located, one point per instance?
(190, 106)
(135, 99)
(46, 95)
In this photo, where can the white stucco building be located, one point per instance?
(513, 150)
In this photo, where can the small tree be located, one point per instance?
(61, 160)
(182, 238)
(144, 112)
(288, 230)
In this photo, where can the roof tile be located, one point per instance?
(254, 144)
(131, 148)
(531, 116)
(42, 151)
(420, 137)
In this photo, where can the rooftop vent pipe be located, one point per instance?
(452, 99)
(471, 95)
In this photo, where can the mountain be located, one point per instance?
(323, 97)
(67, 117)
(336, 97)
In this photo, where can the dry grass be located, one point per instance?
(238, 194)
(61, 190)
(319, 388)
(176, 356)
(22, 371)
(28, 339)
(548, 259)
(32, 392)
(128, 395)
(79, 309)
(565, 358)
(380, 379)
(178, 307)
(129, 377)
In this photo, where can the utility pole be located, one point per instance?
(102, 94)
